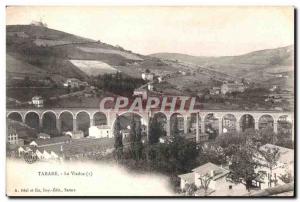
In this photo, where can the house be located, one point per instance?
(100, 131)
(147, 76)
(229, 123)
(51, 141)
(13, 138)
(218, 185)
(150, 86)
(75, 134)
(38, 101)
(141, 92)
(215, 91)
(274, 98)
(232, 87)
(74, 83)
(159, 79)
(43, 136)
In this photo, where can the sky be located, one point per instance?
(199, 31)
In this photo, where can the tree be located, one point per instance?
(205, 181)
(118, 138)
(243, 165)
(287, 177)
(138, 140)
(190, 189)
(271, 156)
(155, 131)
(175, 130)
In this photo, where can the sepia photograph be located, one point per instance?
(150, 101)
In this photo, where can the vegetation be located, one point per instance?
(117, 83)
(155, 131)
(135, 135)
(118, 139)
(205, 181)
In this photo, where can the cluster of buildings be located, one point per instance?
(228, 88)
(219, 185)
(61, 147)
(75, 83)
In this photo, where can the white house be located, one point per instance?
(43, 136)
(141, 92)
(147, 76)
(39, 154)
(232, 87)
(21, 151)
(100, 131)
(38, 101)
(150, 86)
(75, 134)
(218, 185)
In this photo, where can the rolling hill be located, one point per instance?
(273, 66)
(41, 51)
(37, 51)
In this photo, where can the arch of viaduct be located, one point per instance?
(111, 115)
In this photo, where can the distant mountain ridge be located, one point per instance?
(281, 55)
(257, 66)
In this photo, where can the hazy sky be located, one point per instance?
(202, 31)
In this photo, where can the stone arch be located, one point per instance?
(229, 123)
(49, 122)
(66, 119)
(82, 111)
(49, 111)
(162, 119)
(99, 118)
(16, 116)
(265, 121)
(83, 121)
(66, 111)
(180, 120)
(192, 123)
(32, 119)
(125, 120)
(247, 121)
(211, 124)
(285, 126)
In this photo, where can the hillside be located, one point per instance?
(259, 66)
(41, 51)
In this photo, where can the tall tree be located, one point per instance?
(138, 145)
(243, 165)
(175, 129)
(155, 131)
(205, 181)
(271, 157)
(118, 138)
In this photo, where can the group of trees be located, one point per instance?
(240, 151)
(243, 153)
(176, 155)
(117, 83)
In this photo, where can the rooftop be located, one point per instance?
(54, 140)
(208, 167)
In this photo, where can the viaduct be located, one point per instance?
(110, 117)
